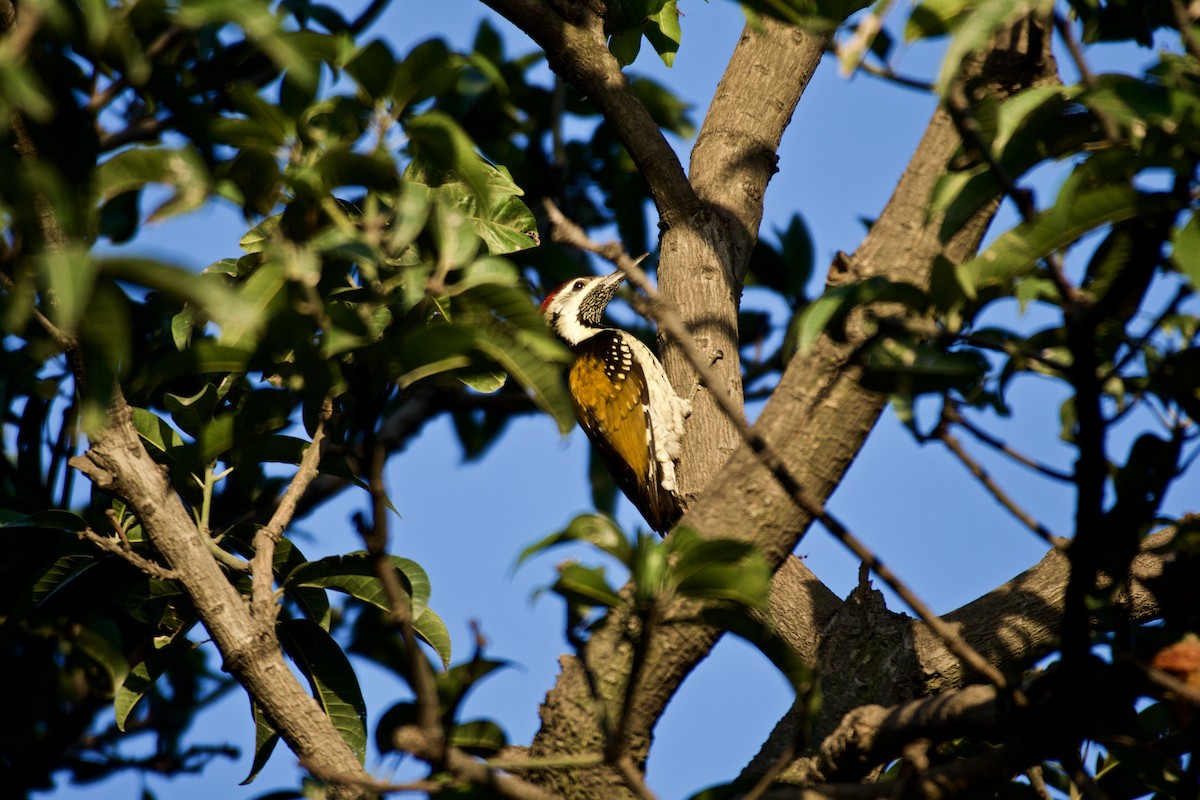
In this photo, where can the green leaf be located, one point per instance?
(594, 529)
(265, 739)
(183, 170)
(219, 304)
(1185, 250)
(438, 143)
(1037, 124)
(155, 430)
(586, 585)
(625, 45)
(432, 630)
(540, 377)
(899, 366)
(372, 67)
(719, 569)
(663, 32)
(480, 737)
(1018, 251)
(253, 241)
(101, 641)
(816, 317)
(354, 574)
(259, 292)
(648, 568)
(67, 277)
(746, 583)
(52, 519)
(454, 684)
(331, 677)
(429, 69)
(935, 18)
(145, 673)
(203, 358)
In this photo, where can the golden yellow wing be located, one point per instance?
(610, 407)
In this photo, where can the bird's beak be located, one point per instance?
(613, 282)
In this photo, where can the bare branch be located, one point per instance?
(266, 537)
(411, 739)
(121, 547)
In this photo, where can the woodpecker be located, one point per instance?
(621, 397)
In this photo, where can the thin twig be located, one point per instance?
(634, 778)
(120, 547)
(1086, 76)
(668, 321)
(943, 434)
(1000, 446)
(887, 73)
(265, 538)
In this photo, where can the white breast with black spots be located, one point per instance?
(618, 361)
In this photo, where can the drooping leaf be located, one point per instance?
(354, 574)
(265, 739)
(480, 737)
(594, 529)
(332, 678)
(432, 630)
(585, 585)
(1018, 251)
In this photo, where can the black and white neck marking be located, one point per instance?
(574, 309)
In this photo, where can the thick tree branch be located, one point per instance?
(668, 321)
(576, 49)
(1011, 626)
(736, 151)
(117, 462)
(704, 258)
(818, 418)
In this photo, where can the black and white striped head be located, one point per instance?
(573, 310)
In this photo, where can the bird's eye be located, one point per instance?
(578, 285)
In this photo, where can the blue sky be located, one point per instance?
(465, 523)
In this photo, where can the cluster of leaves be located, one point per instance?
(726, 581)
(384, 257)
(1095, 291)
(365, 276)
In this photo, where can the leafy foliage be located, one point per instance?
(392, 241)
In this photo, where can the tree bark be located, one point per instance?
(817, 420)
(118, 462)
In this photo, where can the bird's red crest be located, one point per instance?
(551, 296)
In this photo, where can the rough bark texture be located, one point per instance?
(117, 462)
(817, 419)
